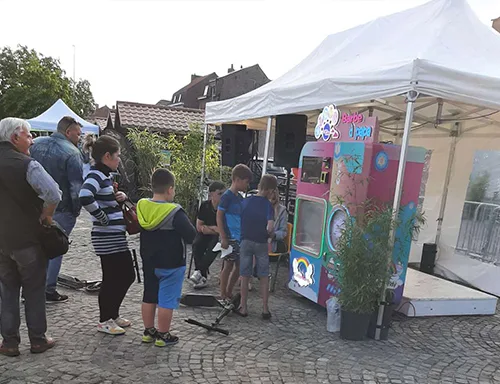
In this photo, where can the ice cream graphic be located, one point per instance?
(303, 272)
(326, 124)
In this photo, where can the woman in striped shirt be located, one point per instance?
(109, 237)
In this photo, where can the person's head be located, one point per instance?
(241, 176)
(17, 132)
(215, 191)
(275, 198)
(105, 150)
(267, 185)
(163, 184)
(70, 128)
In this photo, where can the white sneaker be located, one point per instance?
(110, 327)
(196, 277)
(202, 284)
(121, 322)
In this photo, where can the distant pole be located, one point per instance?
(74, 72)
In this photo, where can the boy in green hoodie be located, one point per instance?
(165, 229)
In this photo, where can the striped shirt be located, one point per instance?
(98, 198)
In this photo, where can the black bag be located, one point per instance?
(54, 240)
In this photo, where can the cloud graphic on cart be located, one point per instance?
(303, 272)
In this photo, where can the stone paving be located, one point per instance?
(293, 348)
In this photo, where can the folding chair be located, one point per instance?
(288, 243)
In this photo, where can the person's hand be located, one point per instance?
(46, 220)
(224, 243)
(120, 196)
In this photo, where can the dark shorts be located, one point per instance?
(151, 283)
(235, 255)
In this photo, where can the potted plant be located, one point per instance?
(363, 251)
(407, 231)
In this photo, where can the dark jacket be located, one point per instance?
(20, 206)
(63, 161)
(165, 227)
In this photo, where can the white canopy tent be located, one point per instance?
(439, 49)
(48, 120)
(434, 71)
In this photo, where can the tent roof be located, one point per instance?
(440, 49)
(48, 120)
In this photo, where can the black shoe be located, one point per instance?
(55, 297)
(149, 335)
(165, 339)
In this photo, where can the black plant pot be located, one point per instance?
(386, 322)
(353, 326)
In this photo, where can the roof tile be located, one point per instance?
(157, 117)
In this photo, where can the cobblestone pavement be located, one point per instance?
(293, 348)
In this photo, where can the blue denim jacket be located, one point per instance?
(63, 161)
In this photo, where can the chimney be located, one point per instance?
(231, 69)
(194, 76)
(496, 24)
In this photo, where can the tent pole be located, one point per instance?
(451, 158)
(266, 145)
(203, 156)
(411, 98)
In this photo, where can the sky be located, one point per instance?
(144, 51)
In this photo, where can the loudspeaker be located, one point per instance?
(289, 139)
(428, 260)
(236, 144)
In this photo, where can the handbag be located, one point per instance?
(130, 216)
(54, 240)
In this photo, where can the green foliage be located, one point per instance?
(478, 187)
(186, 162)
(366, 250)
(363, 254)
(30, 83)
(148, 154)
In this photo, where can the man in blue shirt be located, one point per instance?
(62, 159)
(257, 220)
(229, 226)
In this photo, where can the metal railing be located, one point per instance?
(479, 235)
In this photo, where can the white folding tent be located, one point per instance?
(48, 120)
(434, 71)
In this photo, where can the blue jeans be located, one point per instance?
(67, 221)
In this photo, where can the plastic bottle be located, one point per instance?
(332, 315)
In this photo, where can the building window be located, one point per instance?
(180, 96)
(205, 91)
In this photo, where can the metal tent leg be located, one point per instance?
(266, 145)
(411, 98)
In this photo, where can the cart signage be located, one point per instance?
(333, 125)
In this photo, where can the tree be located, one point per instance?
(478, 187)
(186, 154)
(184, 161)
(148, 148)
(30, 83)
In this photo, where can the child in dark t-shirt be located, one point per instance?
(257, 215)
(207, 236)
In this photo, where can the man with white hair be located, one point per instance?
(28, 199)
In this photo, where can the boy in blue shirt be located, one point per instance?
(229, 227)
(257, 217)
(165, 227)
